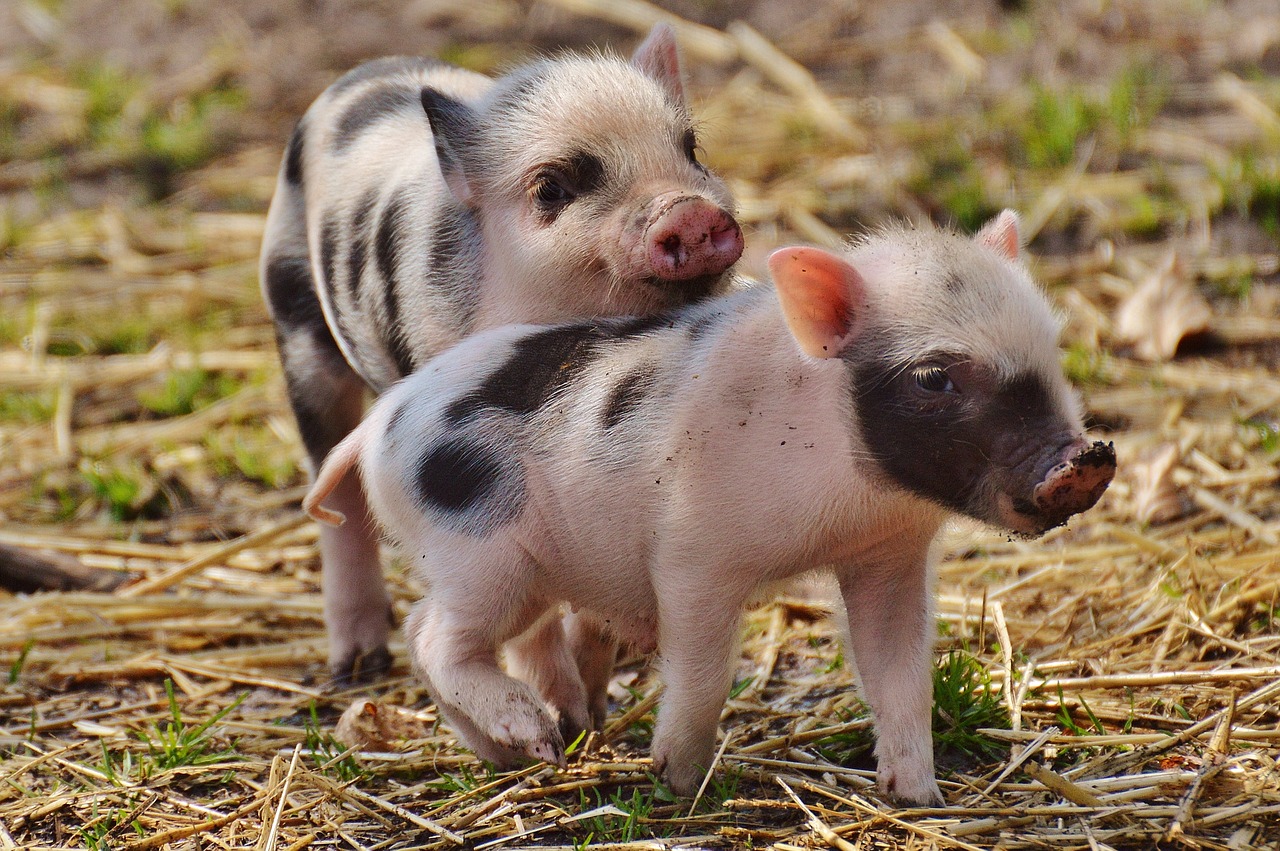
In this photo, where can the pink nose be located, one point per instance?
(692, 238)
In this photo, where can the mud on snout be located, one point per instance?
(1071, 486)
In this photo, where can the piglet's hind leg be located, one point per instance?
(541, 658)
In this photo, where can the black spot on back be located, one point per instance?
(456, 476)
(627, 395)
(328, 268)
(293, 155)
(385, 67)
(368, 109)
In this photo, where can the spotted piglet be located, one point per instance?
(657, 472)
(418, 203)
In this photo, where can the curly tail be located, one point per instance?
(336, 464)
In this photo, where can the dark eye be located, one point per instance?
(934, 379)
(691, 149)
(550, 191)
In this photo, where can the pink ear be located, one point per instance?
(1001, 235)
(820, 294)
(659, 58)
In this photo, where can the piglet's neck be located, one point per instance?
(824, 474)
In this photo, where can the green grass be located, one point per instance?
(185, 391)
(26, 407)
(15, 670)
(175, 743)
(96, 834)
(126, 490)
(964, 701)
(252, 452)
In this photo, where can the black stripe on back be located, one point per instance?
(455, 259)
(293, 154)
(387, 251)
(544, 361)
(369, 108)
(627, 395)
(359, 244)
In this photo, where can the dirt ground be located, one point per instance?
(1113, 684)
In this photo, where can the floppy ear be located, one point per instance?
(1001, 235)
(822, 297)
(658, 57)
(453, 129)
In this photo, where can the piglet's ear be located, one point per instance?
(1001, 235)
(453, 129)
(821, 297)
(659, 58)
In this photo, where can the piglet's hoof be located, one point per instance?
(361, 666)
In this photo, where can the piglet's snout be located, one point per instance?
(691, 237)
(1076, 482)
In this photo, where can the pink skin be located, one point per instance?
(688, 237)
(753, 509)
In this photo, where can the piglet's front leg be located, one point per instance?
(890, 605)
(698, 633)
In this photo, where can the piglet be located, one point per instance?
(656, 473)
(418, 202)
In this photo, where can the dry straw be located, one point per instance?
(1138, 666)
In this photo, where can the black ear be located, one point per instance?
(453, 129)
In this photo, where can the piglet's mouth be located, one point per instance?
(1070, 487)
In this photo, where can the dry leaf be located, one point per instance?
(1155, 496)
(371, 726)
(1163, 309)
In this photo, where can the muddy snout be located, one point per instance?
(1075, 483)
(690, 237)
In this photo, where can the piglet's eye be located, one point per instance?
(933, 379)
(550, 192)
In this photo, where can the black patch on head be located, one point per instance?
(469, 486)
(954, 283)
(543, 362)
(560, 183)
(293, 155)
(387, 66)
(586, 171)
(455, 259)
(955, 449)
(626, 395)
(387, 252)
(368, 109)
